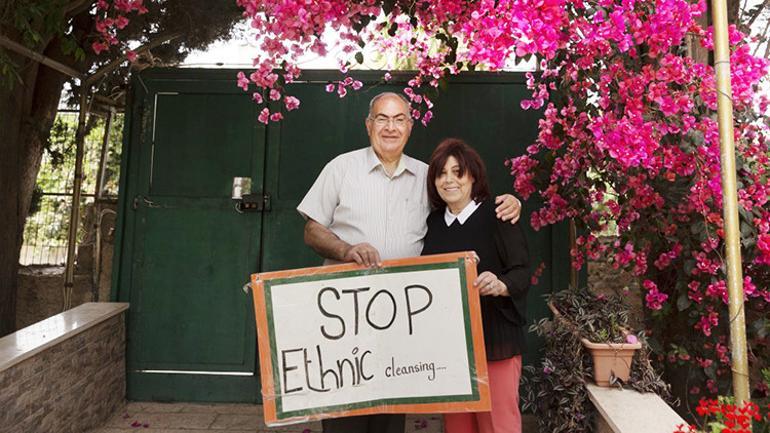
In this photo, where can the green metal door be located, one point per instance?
(191, 335)
(183, 251)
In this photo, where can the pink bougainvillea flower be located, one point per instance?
(98, 47)
(264, 115)
(243, 81)
(291, 102)
(131, 56)
(427, 117)
(631, 339)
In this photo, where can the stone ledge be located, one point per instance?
(628, 411)
(33, 339)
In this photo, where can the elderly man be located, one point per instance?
(370, 205)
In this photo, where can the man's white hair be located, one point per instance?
(384, 94)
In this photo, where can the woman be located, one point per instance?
(464, 219)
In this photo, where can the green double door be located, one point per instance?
(184, 251)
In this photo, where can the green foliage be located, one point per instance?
(601, 319)
(56, 175)
(35, 22)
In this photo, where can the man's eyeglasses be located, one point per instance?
(400, 121)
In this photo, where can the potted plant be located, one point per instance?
(601, 323)
(555, 390)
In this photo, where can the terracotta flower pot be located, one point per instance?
(611, 359)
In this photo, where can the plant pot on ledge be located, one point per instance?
(611, 359)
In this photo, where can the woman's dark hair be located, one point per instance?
(468, 160)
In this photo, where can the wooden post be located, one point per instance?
(740, 365)
(80, 136)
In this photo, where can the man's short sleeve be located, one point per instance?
(323, 197)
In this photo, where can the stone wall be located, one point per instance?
(40, 293)
(40, 287)
(70, 387)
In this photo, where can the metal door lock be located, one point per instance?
(250, 203)
(245, 201)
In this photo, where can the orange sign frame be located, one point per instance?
(464, 261)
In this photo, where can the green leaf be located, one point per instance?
(761, 327)
(747, 230)
(689, 265)
(716, 427)
(683, 302)
(360, 57)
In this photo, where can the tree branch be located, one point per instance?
(53, 64)
(757, 12)
(111, 66)
(75, 7)
(764, 32)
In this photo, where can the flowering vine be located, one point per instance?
(628, 139)
(628, 135)
(111, 17)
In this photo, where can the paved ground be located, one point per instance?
(233, 418)
(221, 418)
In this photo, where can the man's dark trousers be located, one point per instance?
(383, 423)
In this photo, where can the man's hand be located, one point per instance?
(363, 254)
(489, 285)
(509, 208)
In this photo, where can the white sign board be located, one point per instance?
(346, 340)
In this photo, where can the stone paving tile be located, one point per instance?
(164, 420)
(232, 421)
(229, 408)
(159, 407)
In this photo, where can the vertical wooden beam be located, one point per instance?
(80, 136)
(740, 365)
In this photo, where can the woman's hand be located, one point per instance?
(489, 285)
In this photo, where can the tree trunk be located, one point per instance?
(27, 113)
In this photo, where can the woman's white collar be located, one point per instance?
(464, 214)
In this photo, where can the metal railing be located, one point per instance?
(45, 232)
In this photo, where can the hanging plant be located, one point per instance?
(555, 390)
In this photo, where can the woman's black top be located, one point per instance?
(502, 248)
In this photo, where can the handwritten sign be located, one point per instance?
(346, 340)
